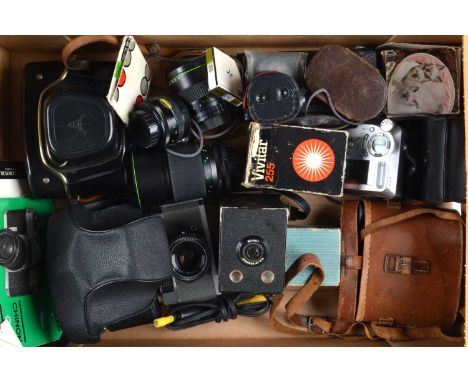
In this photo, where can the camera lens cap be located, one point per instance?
(12, 250)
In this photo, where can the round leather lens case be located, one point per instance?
(273, 97)
(357, 89)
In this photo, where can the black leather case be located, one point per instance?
(436, 162)
(105, 268)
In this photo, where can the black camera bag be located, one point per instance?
(105, 268)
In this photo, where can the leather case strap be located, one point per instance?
(445, 215)
(82, 41)
(302, 324)
(351, 262)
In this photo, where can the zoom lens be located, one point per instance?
(190, 81)
(189, 257)
(252, 250)
(161, 177)
(159, 122)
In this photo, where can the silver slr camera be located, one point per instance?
(374, 160)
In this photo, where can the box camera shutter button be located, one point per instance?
(12, 250)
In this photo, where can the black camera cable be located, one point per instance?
(198, 134)
(223, 309)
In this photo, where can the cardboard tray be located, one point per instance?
(16, 51)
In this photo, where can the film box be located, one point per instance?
(296, 158)
(224, 78)
(325, 243)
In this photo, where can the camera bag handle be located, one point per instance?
(81, 41)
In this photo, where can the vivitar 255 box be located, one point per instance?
(296, 158)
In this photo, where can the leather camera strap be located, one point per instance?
(351, 261)
(81, 41)
(301, 322)
(446, 215)
(310, 325)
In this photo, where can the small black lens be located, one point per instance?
(189, 257)
(13, 254)
(252, 250)
(159, 122)
(190, 81)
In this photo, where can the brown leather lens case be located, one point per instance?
(357, 89)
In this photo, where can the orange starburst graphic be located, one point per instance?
(313, 160)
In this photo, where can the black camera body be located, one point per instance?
(75, 143)
(252, 244)
(20, 252)
(193, 262)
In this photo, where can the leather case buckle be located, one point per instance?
(405, 265)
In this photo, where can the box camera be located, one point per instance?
(194, 269)
(374, 160)
(75, 143)
(252, 244)
(20, 252)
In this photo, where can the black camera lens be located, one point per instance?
(190, 81)
(252, 250)
(159, 122)
(13, 253)
(189, 257)
(161, 177)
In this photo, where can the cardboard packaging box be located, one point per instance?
(17, 51)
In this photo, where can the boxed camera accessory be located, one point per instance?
(401, 275)
(296, 158)
(224, 77)
(195, 277)
(356, 89)
(105, 266)
(252, 244)
(273, 97)
(75, 143)
(375, 160)
(13, 180)
(24, 297)
(325, 243)
(436, 170)
(159, 122)
(422, 79)
(160, 177)
(131, 79)
(8, 336)
(289, 63)
(190, 81)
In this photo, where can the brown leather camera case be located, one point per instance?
(412, 263)
(401, 275)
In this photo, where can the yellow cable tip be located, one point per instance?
(163, 321)
(252, 300)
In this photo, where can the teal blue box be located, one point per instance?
(323, 242)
